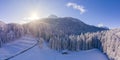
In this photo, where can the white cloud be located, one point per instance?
(100, 25)
(77, 7)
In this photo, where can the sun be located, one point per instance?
(33, 16)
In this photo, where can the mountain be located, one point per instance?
(45, 28)
(52, 16)
(65, 25)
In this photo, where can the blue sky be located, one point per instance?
(94, 12)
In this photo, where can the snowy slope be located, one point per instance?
(13, 48)
(45, 53)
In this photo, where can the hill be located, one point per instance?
(60, 26)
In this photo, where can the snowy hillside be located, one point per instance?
(15, 51)
(10, 50)
(45, 53)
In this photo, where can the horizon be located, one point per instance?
(94, 12)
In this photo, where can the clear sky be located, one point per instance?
(93, 12)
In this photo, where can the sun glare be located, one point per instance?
(34, 16)
(31, 17)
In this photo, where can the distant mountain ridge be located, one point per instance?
(58, 25)
(67, 25)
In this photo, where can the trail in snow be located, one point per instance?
(13, 48)
(45, 53)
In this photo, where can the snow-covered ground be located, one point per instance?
(45, 53)
(15, 47)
